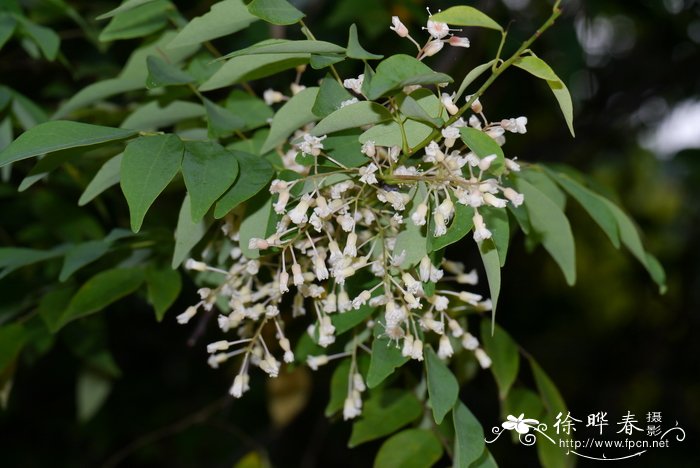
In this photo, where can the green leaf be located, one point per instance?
(92, 389)
(355, 50)
(252, 67)
(320, 61)
(485, 461)
(412, 448)
(58, 135)
(253, 175)
(483, 145)
(53, 305)
(275, 11)
(7, 28)
(283, 46)
(45, 38)
(460, 226)
(13, 336)
(384, 413)
(152, 117)
(553, 227)
(148, 166)
(137, 22)
(496, 220)
(106, 177)
(410, 108)
(539, 68)
(163, 287)
(187, 233)
(352, 116)
(132, 77)
(544, 183)
(330, 95)
(162, 73)
(465, 16)
(593, 203)
(385, 358)
(251, 110)
(126, 6)
(82, 255)
(401, 70)
(492, 265)
(338, 387)
(259, 221)
(44, 166)
(222, 122)
(443, 388)
(293, 115)
(475, 73)
(12, 258)
(503, 352)
(209, 170)
(224, 18)
(344, 147)
(630, 239)
(551, 398)
(469, 436)
(102, 290)
(348, 320)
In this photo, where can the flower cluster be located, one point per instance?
(336, 248)
(440, 34)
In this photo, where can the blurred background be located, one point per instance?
(611, 343)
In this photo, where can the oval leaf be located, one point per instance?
(384, 413)
(412, 448)
(294, 114)
(59, 135)
(148, 166)
(401, 70)
(469, 436)
(466, 16)
(224, 18)
(275, 11)
(352, 116)
(253, 174)
(443, 388)
(209, 170)
(553, 226)
(504, 356)
(101, 290)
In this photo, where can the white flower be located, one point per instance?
(296, 88)
(459, 41)
(494, 201)
(398, 27)
(450, 134)
(433, 48)
(185, 317)
(217, 346)
(437, 29)
(272, 97)
(350, 410)
(348, 102)
(522, 426)
(433, 153)
(446, 100)
(240, 385)
(312, 145)
(468, 278)
(470, 342)
(368, 148)
(517, 125)
(483, 358)
(314, 362)
(298, 213)
(367, 175)
(407, 346)
(515, 198)
(192, 264)
(512, 165)
(270, 366)
(417, 350)
(355, 84)
(440, 226)
(418, 216)
(480, 231)
(445, 349)
(486, 161)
